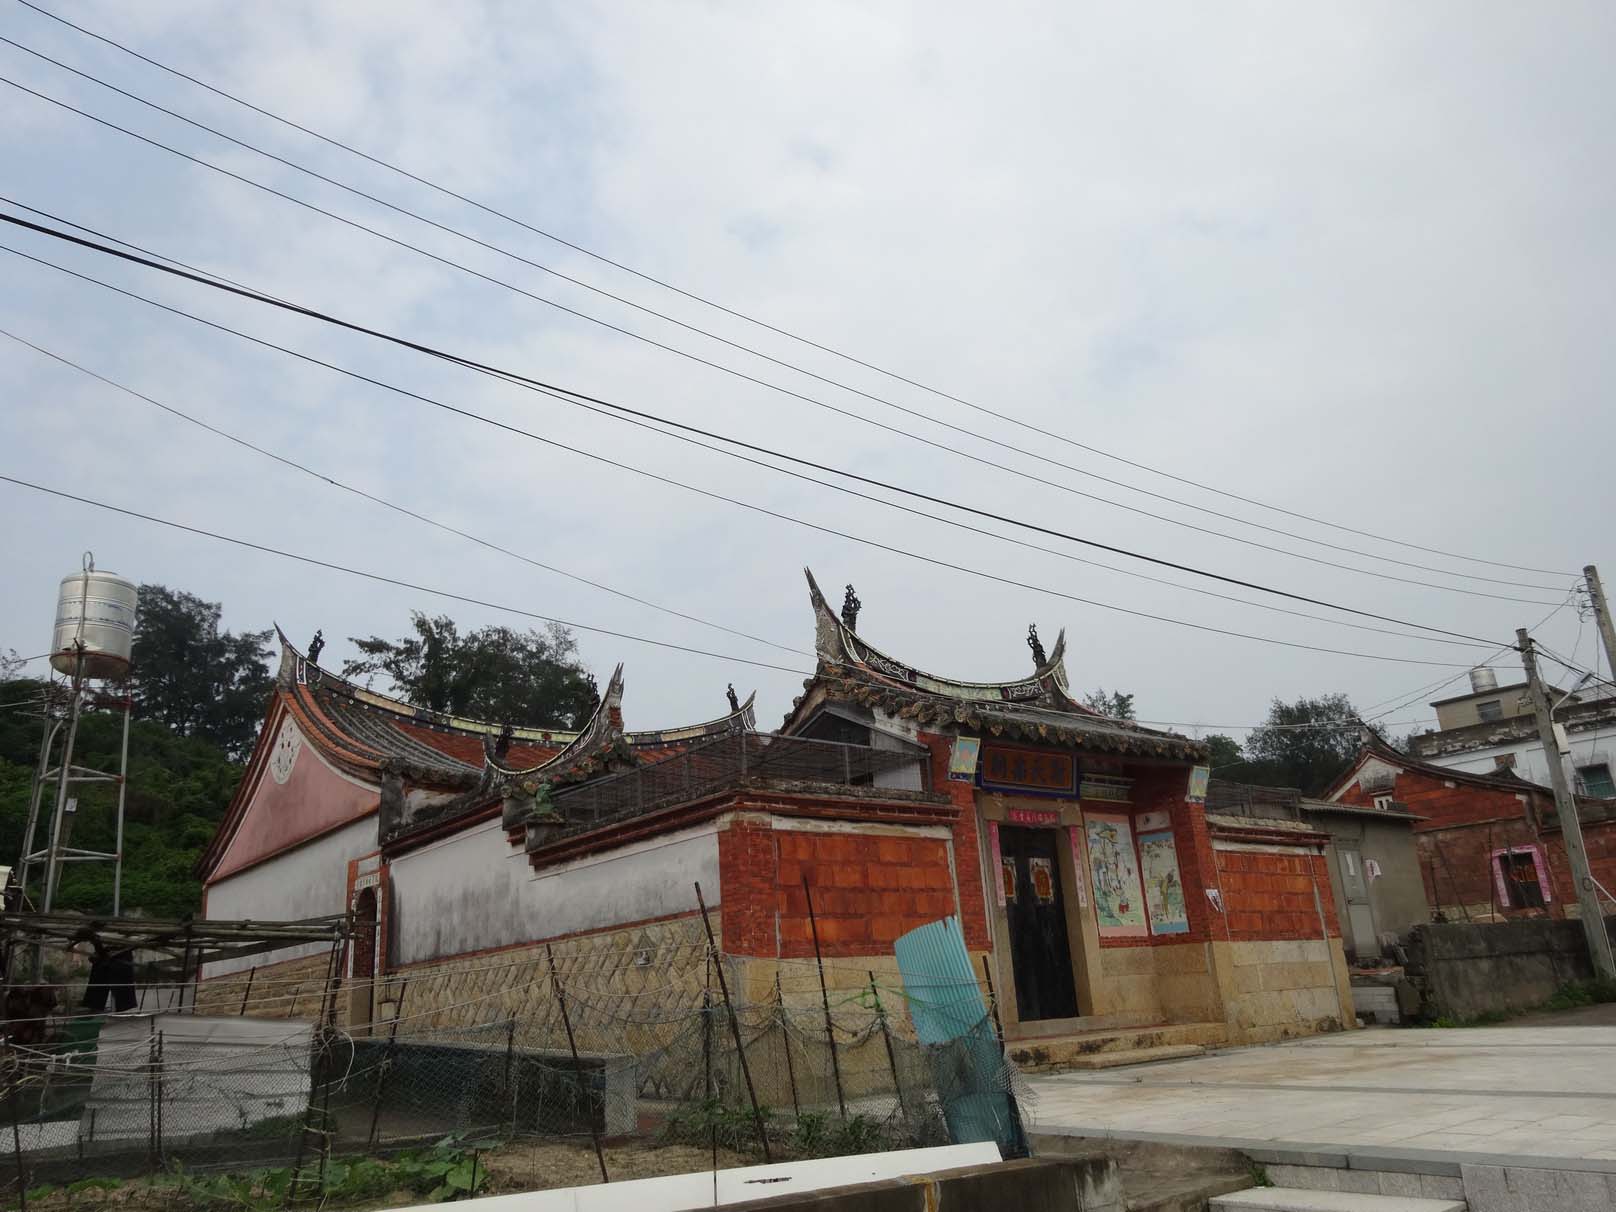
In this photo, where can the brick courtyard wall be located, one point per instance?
(287, 989)
(1271, 895)
(1287, 970)
(867, 890)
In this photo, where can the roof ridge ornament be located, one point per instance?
(850, 610)
(1039, 657)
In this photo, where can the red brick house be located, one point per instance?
(1490, 844)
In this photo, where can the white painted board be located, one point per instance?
(679, 1192)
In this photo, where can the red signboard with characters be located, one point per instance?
(1040, 771)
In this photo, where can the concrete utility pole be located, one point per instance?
(1593, 921)
(1607, 632)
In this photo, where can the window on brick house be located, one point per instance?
(1595, 779)
(1520, 879)
(1385, 802)
(1492, 709)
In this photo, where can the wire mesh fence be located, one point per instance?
(680, 1047)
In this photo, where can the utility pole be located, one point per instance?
(1593, 921)
(1607, 632)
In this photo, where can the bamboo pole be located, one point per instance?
(824, 995)
(577, 1069)
(734, 1027)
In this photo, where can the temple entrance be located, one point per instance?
(363, 942)
(1040, 954)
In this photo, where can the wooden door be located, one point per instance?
(1040, 955)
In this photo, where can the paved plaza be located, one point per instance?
(1541, 1090)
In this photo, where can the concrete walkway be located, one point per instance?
(1475, 1095)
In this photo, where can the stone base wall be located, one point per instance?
(289, 989)
(1172, 983)
(1282, 988)
(1464, 970)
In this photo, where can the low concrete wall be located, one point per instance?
(1032, 1185)
(1466, 969)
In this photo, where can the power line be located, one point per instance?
(916, 413)
(708, 302)
(550, 389)
(405, 510)
(746, 635)
(771, 386)
(930, 560)
(1409, 698)
(387, 580)
(444, 593)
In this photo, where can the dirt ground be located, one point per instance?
(539, 1165)
(1584, 1016)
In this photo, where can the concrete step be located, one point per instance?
(1296, 1199)
(1078, 1049)
(1133, 1056)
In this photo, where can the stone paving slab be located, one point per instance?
(1281, 1199)
(1538, 1097)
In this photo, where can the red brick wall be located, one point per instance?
(746, 869)
(967, 850)
(1270, 895)
(867, 889)
(1429, 796)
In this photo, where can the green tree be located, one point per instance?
(533, 678)
(1225, 754)
(194, 678)
(1304, 744)
(179, 788)
(1115, 704)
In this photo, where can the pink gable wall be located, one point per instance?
(312, 800)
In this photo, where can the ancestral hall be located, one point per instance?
(1108, 908)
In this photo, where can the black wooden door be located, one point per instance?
(1039, 953)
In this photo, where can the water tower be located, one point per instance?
(91, 647)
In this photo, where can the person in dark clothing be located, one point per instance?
(112, 974)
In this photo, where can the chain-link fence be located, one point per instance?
(680, 1047)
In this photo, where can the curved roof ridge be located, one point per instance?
(836, 643)
(290, 668)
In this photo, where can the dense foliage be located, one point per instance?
(1111, 703)
(179, 788)
(193, 677)
(1303, 744)
(530, 678)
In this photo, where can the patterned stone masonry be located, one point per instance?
(291, 988)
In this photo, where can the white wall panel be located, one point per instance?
(475, 890)
(310, 881)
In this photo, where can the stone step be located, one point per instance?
(1297, 1199)
(1133, 1056)
(1081, 1049)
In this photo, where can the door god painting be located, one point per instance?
(1118, 898)
(1164, 892)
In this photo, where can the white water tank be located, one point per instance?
(1482, 680)
(96, 609)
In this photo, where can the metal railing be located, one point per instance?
(726, 761)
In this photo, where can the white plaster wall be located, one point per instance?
(475, 890)
(310, 881)
(1586, 749)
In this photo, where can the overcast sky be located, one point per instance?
(1350, 261)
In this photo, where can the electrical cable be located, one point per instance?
(708, 302)
(402, 584)
(359, 492)
(835, 487)
(444, 593)
(550, 389)
(818, 403)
